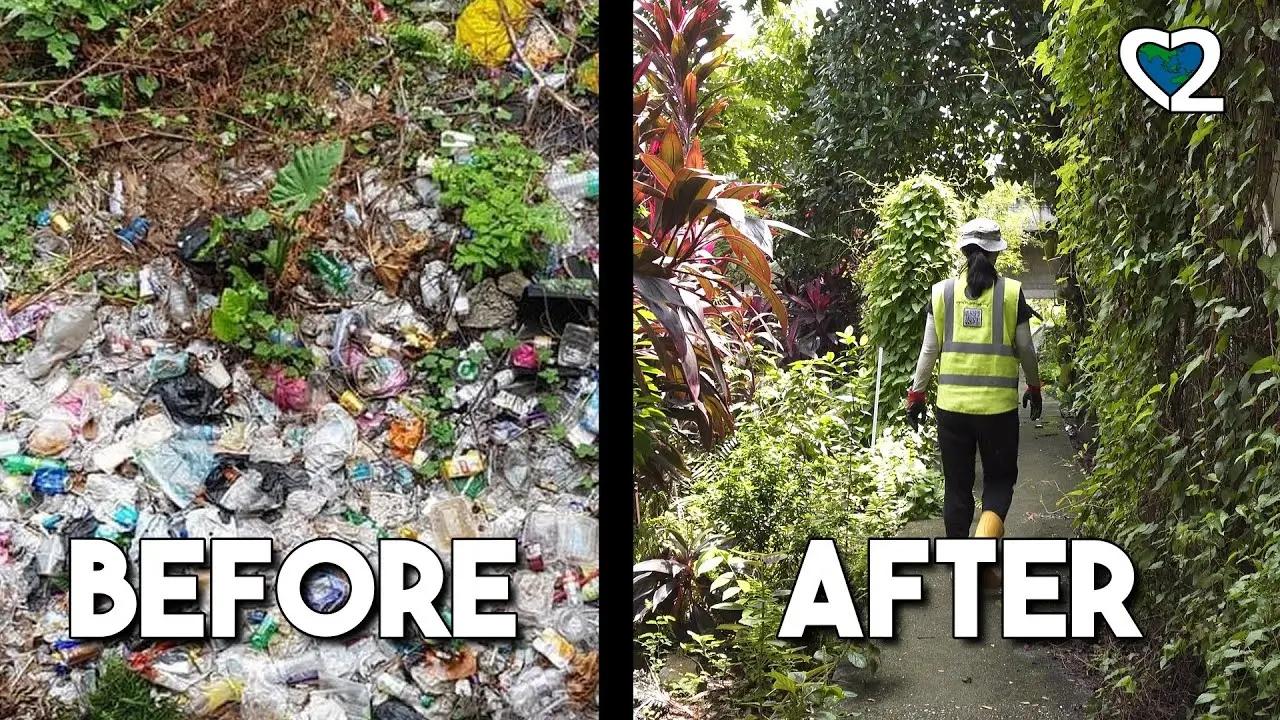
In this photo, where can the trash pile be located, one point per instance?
(446, 409)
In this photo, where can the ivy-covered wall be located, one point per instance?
(1168, 219)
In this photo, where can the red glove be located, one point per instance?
(915, 408)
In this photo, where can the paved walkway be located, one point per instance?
(925, 673)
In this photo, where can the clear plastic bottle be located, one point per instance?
(50, 556)
(536, 691)
(336, 275)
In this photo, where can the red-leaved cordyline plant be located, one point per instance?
(692, 228)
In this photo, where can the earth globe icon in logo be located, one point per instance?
(1170, 69)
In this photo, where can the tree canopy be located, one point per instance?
(902, 86)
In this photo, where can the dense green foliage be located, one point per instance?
(498, 191)
(914, 248)
(801, 466)
(1170, 220)
(58, 24)
(1011, 206)
(762, 131)
(908, 87)
(698, 238)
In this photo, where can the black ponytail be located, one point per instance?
(982, 270)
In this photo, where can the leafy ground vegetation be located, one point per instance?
(182, 102)
(753, 422)
(742, 457)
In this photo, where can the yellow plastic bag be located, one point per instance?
(481, 29)
(589, 74)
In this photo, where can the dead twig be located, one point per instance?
(537, 76)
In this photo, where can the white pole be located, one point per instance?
(875, 409)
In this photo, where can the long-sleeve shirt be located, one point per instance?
(931, 348)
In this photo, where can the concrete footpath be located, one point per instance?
(926, 673)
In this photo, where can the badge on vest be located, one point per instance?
(973, 317)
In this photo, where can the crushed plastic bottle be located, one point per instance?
(25, 464)
(266, 630)
(133, 233)
(50, 480)
(537, 691)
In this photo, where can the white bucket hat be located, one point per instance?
(983, 232)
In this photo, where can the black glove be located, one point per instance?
(1032, 396)
(915, 409)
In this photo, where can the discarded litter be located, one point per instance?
(447, 411)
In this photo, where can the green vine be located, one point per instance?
(1162, 218)
(914, 242)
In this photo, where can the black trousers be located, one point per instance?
(996, 437)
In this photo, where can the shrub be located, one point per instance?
(913, 249)
(801, 467)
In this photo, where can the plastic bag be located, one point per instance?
(379, 377)
(166, 365)
(331, 442)
(288, 393)
(179, 467)
(53, 433)
(482, 28)
(190, 399)
(61, 336)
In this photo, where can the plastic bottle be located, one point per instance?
(304, 668)
(334, 274)
(536, 691)
(261, 637)
(26, 464)
(398, 688)
(208, 433)
(570, 188)
(50, 480)
(133, 233)
(61, 336)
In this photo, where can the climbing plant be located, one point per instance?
(1170, 220)
(913, 241)
(905, 86)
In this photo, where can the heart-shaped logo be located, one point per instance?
(1170, 66)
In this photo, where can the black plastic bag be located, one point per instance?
(395, 710)
(190, 399)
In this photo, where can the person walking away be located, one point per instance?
(978, 327)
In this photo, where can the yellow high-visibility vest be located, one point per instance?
(978, 373)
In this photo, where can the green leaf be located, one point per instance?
(225, 328)
(304, 180)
